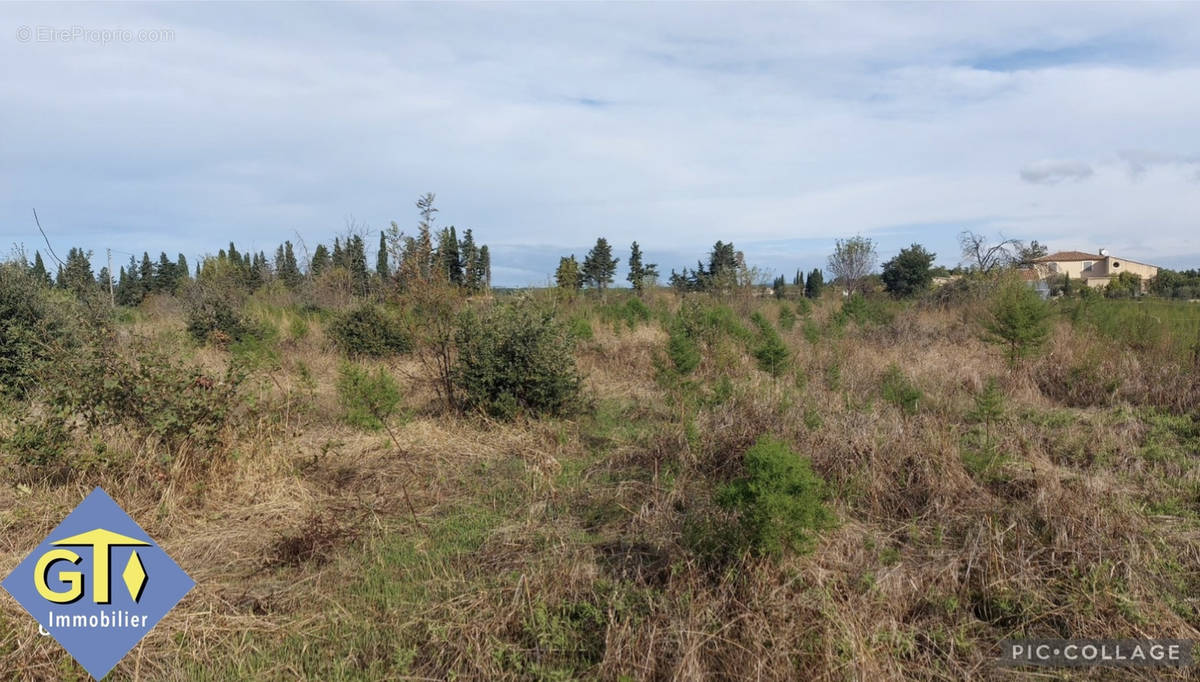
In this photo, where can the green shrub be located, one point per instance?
(216, 320)
(368, 399)
(779, 503)
(898, 390)
(858, 308)
(989, 407)
(580, 329)
(637, 310)
(769, 351)
(298, 328)
(803, 307)
(257, 351)
(682, 349)
(787, 317)
(34, 321)
(812, 331)
(710, 323)
(1018, 320)
(369, 330)
(630, 313)
(515, 358)
(150, 391)
(40, 444)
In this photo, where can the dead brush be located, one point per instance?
(313, 541)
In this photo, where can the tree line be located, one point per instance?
(401, 260)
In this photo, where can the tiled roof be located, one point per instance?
(1069, 256)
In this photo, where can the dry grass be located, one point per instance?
(557, 548)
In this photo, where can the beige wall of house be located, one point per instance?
(1096, 272)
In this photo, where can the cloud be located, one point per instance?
(1139, 161)
(1051, 171)
(542, 126)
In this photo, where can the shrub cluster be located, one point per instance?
(32, 324)
(370, 330)
(152, 392)
(514, 359)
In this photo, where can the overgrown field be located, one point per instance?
(539, 487)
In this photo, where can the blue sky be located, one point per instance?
(541, 126)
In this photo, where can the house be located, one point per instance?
(1095, 269)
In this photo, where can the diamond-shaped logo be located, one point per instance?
(70, 584)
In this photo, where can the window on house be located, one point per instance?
(1087, 265)
(1116, 264)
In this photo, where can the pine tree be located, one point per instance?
(320, 261)
(133, 284)
(338, 259)
(567, 276)
(485, 268)
(40, 275)
(1019, 320)
(77, 275)
(181, 269)
(989, 407)
(122, 292)
(146, 275)
(286, 267)
(448, 256)
(599, 265)
(165, 280)
(381, 258)
(798, 280)
(639, 273)
(424, 247)
(468, 255)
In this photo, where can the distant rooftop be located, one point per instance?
(1060, 256)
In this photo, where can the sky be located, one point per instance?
(780, 127)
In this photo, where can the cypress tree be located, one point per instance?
(816, 281)
(381, 258)
(356, 262)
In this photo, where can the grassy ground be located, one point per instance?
(567, 548)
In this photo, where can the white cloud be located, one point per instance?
(1050, 171)
(547, 125)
